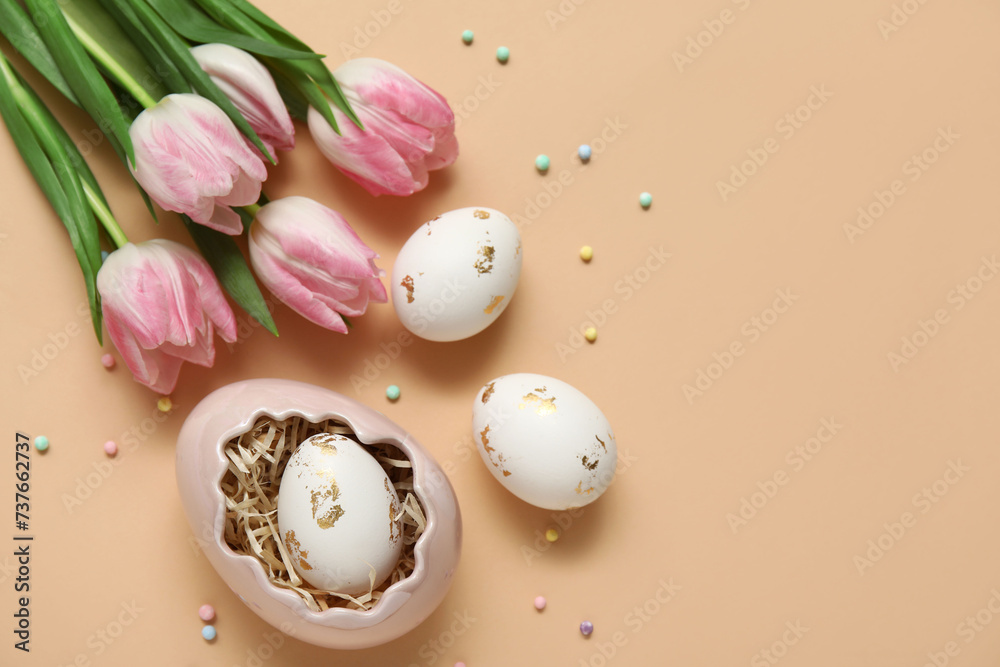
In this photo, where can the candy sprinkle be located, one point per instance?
(542, 163)
(552, 534)
(459, 664)
(467, 36)
(206, 612)
(110, 448)
(586, 253)
(164, 404)
(590, 334)
(108, 361)
(503, 54)
(586, 628)
(41, 443)
(539, 603)
(392, 392)
(584, 152)
(645, 200)
(208, 632)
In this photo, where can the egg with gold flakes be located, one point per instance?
(457, 273)
(338, 515)
(544, 440)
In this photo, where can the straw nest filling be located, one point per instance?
(251, 486)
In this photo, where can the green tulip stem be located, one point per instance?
(121, 76)
(105, 216)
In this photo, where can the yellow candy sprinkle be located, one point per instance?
(586, 253)
(164, 404)
(552, 534)
(590, 334)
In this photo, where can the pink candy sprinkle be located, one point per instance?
(108, 361)
(206, 612)
(459, 664)
(110, 448)
(539, 603)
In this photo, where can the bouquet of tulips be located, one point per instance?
(196, 97)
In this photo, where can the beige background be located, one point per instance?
(690, 462)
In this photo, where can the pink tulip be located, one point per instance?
(161, 303)
(250, 88)
(409, 129)
(190, 158)
(312, 260)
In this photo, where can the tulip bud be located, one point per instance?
(161, 304)
(190, 158)
(312, 260)
(250, 87)
(409, 129)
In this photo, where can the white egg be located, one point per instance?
(457, 273)
(338, 515)
(545, 441)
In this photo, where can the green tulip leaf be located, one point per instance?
(22, 34)
(231, 269)
(160, 63)
(191, 22)
(81, 74)
(175, 47)
(54, 168)
(244, 17)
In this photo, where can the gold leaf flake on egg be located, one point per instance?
(542, 406)
(407, 282)
(588, 464)
(582, 491)
(324, 446)
(494, 302)
(488, 391)
(497, 462)
(322, 505)
(481, 214)
(517, 251)
(485, 263)
(603, 446)
(297, 552)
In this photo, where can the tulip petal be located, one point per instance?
(445, 149)
(250, 87)
(160, 300)
(190, 157)
(151, 367)
(311, 259)
(383, 85)
(409, 129)
(364, 156)
(290, 292)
